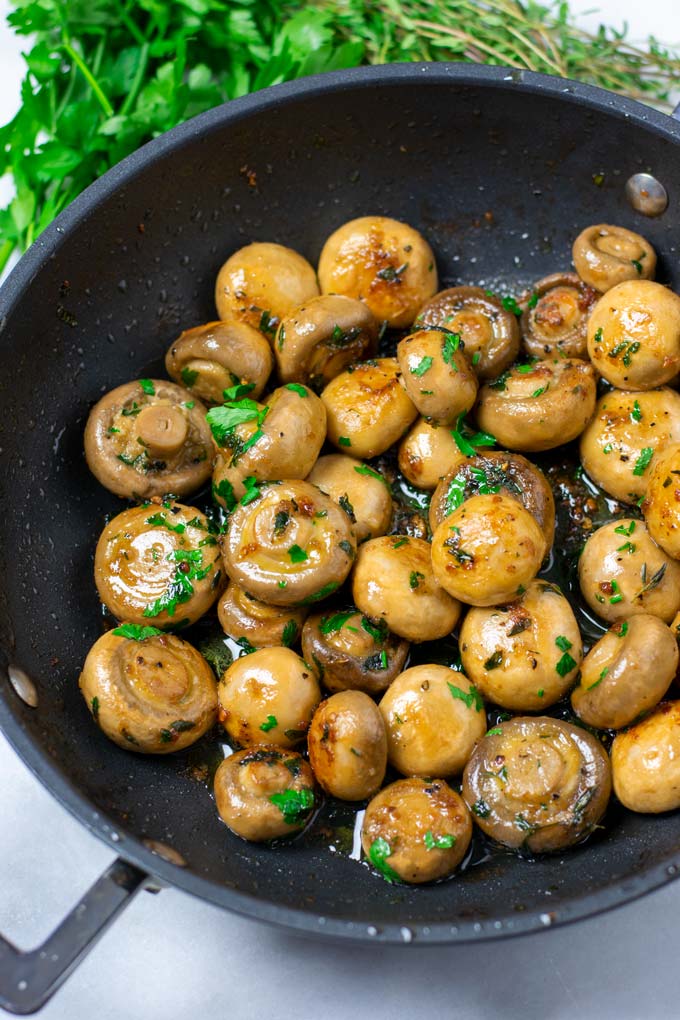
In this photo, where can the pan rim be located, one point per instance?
(13, 714)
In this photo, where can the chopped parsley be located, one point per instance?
(377, 661)
(642, 463)
(293, 804)
(414, 579)
(296, 554)
(466, 440)
(148, 387)
(345, 505)
(159, 521)
(636, 413)
(621, 529)
(289, 633)
(567, 663)
(189, 377)
(270, 723)
(94, 704)
(471, 700)
(379, 631)
(450, 346)
(281, 521)
(438, 842)
(297, 388)
(599, 679)
(252, 487)
(224, 491)
(331, 624)
(223, 420)
(423, 366)
(322, 593)
(180, 589)
(494, 661)
(598, 335)
(136, 632)
(511, 305)
(378, 853)
(481, 808)
(616, 596)
(533, 300)
(390, 274)
(364, 469)
(344, 441)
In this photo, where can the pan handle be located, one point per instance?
(29, 979)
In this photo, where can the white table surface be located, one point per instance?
(172, 955)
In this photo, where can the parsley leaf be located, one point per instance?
(423, 366)
(472, 700)
(136, 632)
(378, 853)
(293, 804)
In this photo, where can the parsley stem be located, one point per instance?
(137, 81)
(89, 78)
(6, 250)
(132, 28)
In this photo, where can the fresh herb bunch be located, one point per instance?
(104, 76)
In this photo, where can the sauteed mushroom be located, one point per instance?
(147, 438)
(540, 405)
(605, 255)
(538, 783)
(368, 408)
(278, 440)
(489, 331)
(509, 474)
(209, 359)
(646, 762)
(383, 262)
(261, 283)
(555, 316)
(620, 444)
(433, 717)
(351, 652)
(148, 691)
(436, 375)
(523, 656)
(487, 551)
(158, 564)
(416, 831)
(359, 488)
(348, 746)
(626, 672)
(323, 337)
(291, 545)
(623, 572)
(244, 617)
(270, 694)
(264, 793)
(662, 504)
(394, 581)
(427, 453)
(634, 335)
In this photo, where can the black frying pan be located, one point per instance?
(98, 299)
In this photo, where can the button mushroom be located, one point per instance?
(368, 408)
(380, 261)
(634, 335)
(394, 581)
(148, 438)
(291, 545)
(416, 831)
(433, 717)
(158, 564)
(437, 375)
(626, 672)
(537, 783)
(277, 440)
(323, 337)
(348, 746)
(351, 652)
(209, 359)
(606, 255)
(646, 762)
(523, 656)
(264, 793)
(243, 617)
(662, 504)
(620, 444)
(270, 691)
(540, 405)
(148, 691)
(555, 316)
(489, 331)
(261, 283)
(623, 572)
(358, 488)
(487, 551)
(509, 474)
(428, 453)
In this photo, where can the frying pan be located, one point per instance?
(98, 299)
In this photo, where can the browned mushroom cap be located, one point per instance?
(147, 438)
(368, 408)
(243, 616)
(270, 691)
(209, 359)
(489, 332)
(356, 487)
(538, 406)
(662, 503)
(321, 338)
(555, 316)
(281, 439)
(437, 375)
(383, 262)
(626, 672)
(292, 545)
(351, 652)
(509, 474)
(416, 831)
(264, 793)
(348, 746)
(605, 255)
(428, 453)
(646, 762)
(158, 564)
(537, 782)
(148, 691)
(261, 283)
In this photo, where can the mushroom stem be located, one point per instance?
(162, 430)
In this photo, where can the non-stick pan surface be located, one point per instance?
(104, 291)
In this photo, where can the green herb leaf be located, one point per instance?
(297, 388)
(415, 578)
(294, 805)
(289, 633)
(344, 441)
(297, 555)
(378, 853)
(636, 413)
(270, 724)
(159, 520)
(422, 367)
(331, 624)
(439, 842)
(472, 700)
(642, 463)
(189, 377)
(148, 387)
(136, 632)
